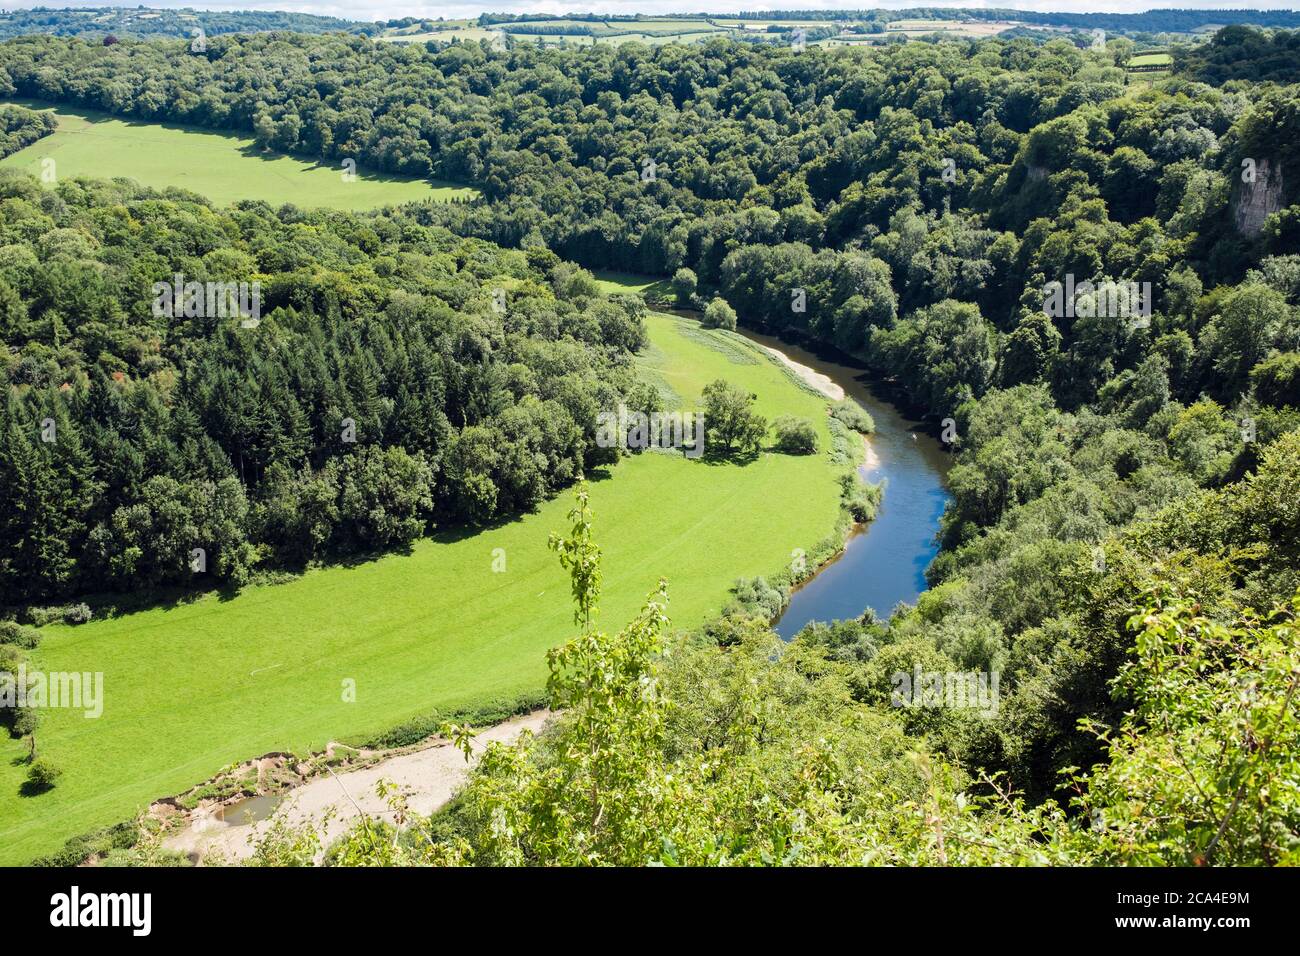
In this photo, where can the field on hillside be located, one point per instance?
(964, 28)
(445, 35)
(219, 166)
(654, 31)
(194, 687)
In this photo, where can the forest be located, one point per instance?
(142, 21)
(382, 393)
(20, 128)
(1123, 544)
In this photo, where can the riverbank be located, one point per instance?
(427, 776)
(810, 376)
(430, 773)
(883, 562)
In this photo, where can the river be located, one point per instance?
(885, 562)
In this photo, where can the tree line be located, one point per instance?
(399, 379)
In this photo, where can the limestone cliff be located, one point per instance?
(1256, 201)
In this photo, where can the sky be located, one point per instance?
(387, 9)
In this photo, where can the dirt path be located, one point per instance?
(429, 777)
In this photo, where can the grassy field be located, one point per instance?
(445, 35)
(965, 28)
(219, 166)
(628, 283)
(1151, 59)
(194, 687)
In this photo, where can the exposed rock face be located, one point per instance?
(1258, 200)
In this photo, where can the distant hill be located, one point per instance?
(147, 22)
(1151, 21)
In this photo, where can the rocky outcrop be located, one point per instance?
(1256, 201)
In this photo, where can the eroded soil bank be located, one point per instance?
(428, 775)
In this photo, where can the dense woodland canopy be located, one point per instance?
(21, 127)
(171, 434)
(1241, 53)
(141, 21)
(1118, 484)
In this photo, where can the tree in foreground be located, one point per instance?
(732, 426)
(683, 752)
(680, 753)
(1203, 772)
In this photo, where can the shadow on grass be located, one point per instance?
(107, 605)
(30, 789)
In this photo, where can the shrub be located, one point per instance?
(756, 597)
(119, 836)
(854, 416)
(68, 614)
(18, 635)
(795, 436)
(77, 614)
(719, 315)
(684, 284)
(860, 500)
(42, 774)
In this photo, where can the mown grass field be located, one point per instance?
(221, 167)
(194, 687)
(1151, 59)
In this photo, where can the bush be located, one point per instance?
(77, 614)
(684, 284)
(42, 774)
(719, 315)
(119, 836)
(795, 436)
(18, 635)
(68, 614)
(756, 597)
(860, 500)
(854, 416)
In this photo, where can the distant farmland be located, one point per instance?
(657, 30)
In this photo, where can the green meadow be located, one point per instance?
(220, 166)
(1151, 59)
(193, 687)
